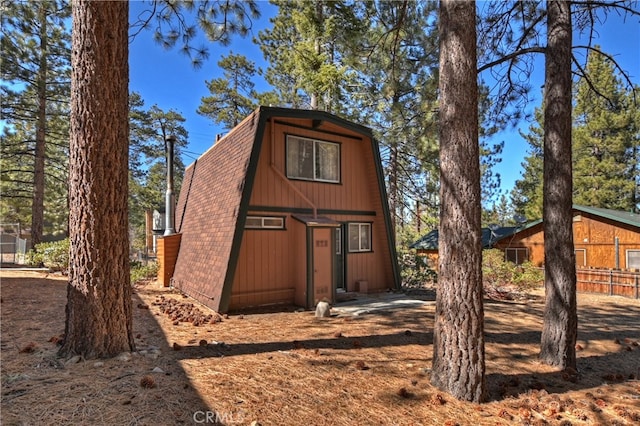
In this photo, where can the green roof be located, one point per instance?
(489, 237)
(628, 218)
(430, 240)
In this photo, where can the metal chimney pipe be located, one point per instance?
(170, 202)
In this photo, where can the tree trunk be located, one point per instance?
(458, 347)
(560, 326)
(37, 205)
(394, 193)
(317, 45)
(99, 307)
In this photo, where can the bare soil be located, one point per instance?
(289, 368)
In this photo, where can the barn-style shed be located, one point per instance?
(289, 207)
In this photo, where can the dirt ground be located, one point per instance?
(293, 369)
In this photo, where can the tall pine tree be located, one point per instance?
(35, 91)
(232, 95)
(603, 139)
(149, 128)
(458, 336)
(305, 49)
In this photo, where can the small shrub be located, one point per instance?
(501, 276)
(54, 256)
(528, 276)
(140, 272)
(415, 271)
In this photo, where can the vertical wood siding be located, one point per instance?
(595, 235)
(272, 263)
(168, 248)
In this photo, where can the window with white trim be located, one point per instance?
(633, 259)
(264, 222)
(517, 255)
(311, 159)
(359, 237)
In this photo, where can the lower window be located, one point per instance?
(359, 237)
(633, 259)
(516, 255)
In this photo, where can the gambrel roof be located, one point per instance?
(214, 201)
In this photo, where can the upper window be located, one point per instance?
(359, 237)
(633, 259)
(264, 222)
(311, 159)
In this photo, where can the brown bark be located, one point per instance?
(559, 330)
(458, 359)
(99, 311)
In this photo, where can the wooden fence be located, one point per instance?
(609, 281)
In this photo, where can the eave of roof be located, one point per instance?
(628, 218)
(489, 237)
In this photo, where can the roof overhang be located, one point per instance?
(318, 221)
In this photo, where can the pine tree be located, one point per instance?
(603, 139)
(305, 48)
(177, 23)
(149, 128)
(458, 340)
(99, 310)
(560, 324)
(232, 95)
(98, 313)
(35, 90)
(394, 92)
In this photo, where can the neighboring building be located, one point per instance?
(289, 207)
(602, 238)
(427, 245)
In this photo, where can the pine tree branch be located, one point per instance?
(511, 56)
(582, 72)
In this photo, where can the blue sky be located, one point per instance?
(167, 79)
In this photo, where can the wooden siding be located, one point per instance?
(168, 248)
(532, 239)
(272, 266)
(593, 234)
(597, 237)
(355, 191)
(266, 267)
(373, 266)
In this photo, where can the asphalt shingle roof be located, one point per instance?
(489, 238)
(207, 213)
